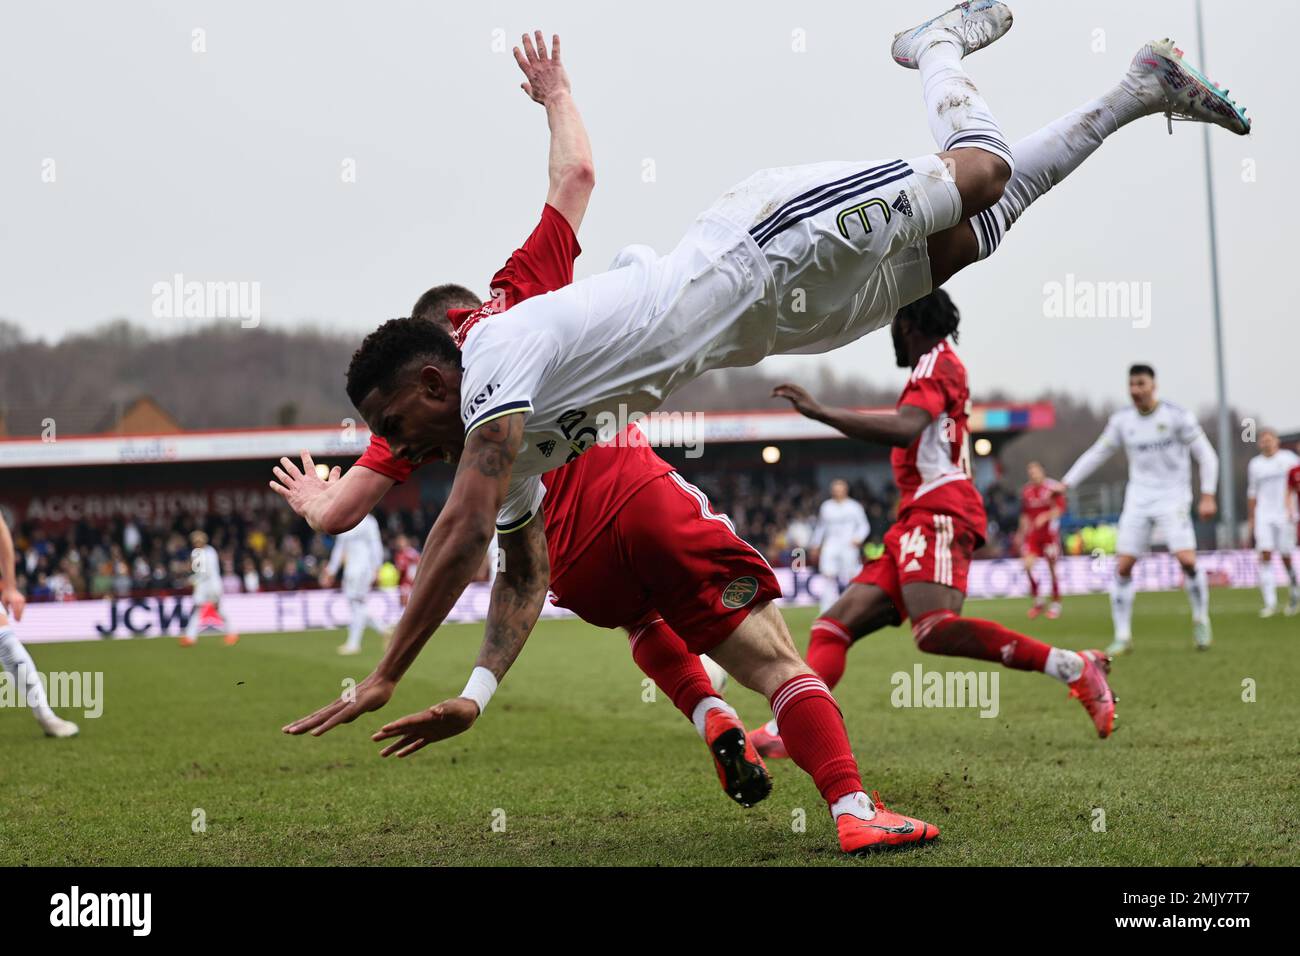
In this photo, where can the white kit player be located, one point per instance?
(360, 552)
(205, 613)
(1272, 518)
(842, 527)
(17, 663)
(1159, 439)
(799, 259)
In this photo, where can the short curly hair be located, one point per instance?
(934, 314)
(394, 347)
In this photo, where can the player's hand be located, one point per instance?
(371, 694)
(545, 77)
(300, 488)
(416, 731)
(13, 599)
(799, 397)
(326, 580)
(1207, 508)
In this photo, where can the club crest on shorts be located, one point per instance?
(740, 592)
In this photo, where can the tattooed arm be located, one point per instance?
(452, 553)
(517, 598)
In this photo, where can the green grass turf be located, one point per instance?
(585, 772)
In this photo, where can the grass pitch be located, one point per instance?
(574, 767)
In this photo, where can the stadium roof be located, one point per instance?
(326, 441)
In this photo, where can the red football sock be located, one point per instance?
(1033, 583)
(1056, 588)
(943, 632)
(663, 657)
(813, 732)
(828, 649)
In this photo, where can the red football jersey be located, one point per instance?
(543, 263)
(1293, 482)
(934, 471)
(1037, 499)
(406, 561)
(584, 495)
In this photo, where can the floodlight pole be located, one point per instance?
(1227, 483)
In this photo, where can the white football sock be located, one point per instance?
(1267, 584)
(959, 117)
(192, 627)
(1121, 607)
(770, 727)
(856, 803)
(1198, 593)
(1065, 666)
(1047, 156)
(19, 664)
(357, 623)
(702, 709)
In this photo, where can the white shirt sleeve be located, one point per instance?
(523, 501)
(505, 364)
(819, 531)
(1252, 479)
(862, 527)
(1191, 434)
(1096, 456)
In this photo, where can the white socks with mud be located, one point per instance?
(856, 803)
(1198, 593)
(1268, 584)
(1065, 666)
(705, 705)
(959, 117)
(1121, 606)
(1045, 157)
(19, 664)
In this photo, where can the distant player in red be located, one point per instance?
(406, 559)
(1293, 492)
(1042, 502)
(941, 522)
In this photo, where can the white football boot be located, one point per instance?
(55, 726)
(974, 25)
(1202, 634)
(1160, 77)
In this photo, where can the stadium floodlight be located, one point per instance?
(1228, 511)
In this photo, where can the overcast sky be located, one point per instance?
(227, 164)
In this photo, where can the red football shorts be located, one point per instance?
(922, 546)
(667, 554)
(1042, 542)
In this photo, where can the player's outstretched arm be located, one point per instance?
(10, 596)
(572, 173)
(517, 597)
(898, 428)
(334, 504)
(452, 553)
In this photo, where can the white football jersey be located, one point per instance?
(206, 565)
(361, 548)
(840, 524)
(1159, 447)
(1266, 482)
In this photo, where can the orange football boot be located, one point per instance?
(231, 639)
(187, 641)
(768, 744)
(1093, 691)
(740, 769)
(885, 830)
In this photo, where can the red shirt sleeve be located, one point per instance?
(929, 389)
(379, 457)
(542, 264)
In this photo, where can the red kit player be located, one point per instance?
(406, 559)
(1042, 502)
(941, 522)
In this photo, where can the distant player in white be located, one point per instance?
(842, 527)
(1272, 519)
(360, 552)
(1159, 439)
(18, 664)
(205, 565)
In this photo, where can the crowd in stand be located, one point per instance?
(275, 550)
